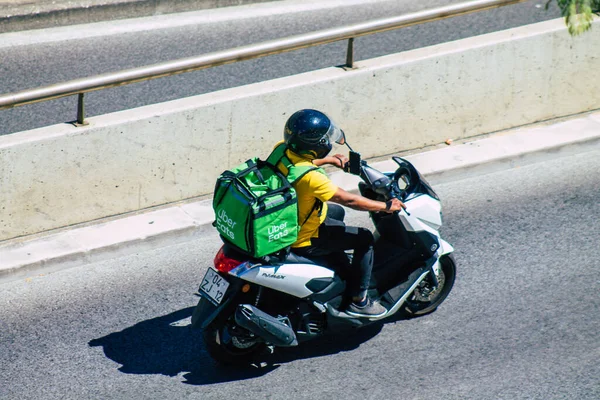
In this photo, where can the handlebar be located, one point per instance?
(346, 167)
(386, 185)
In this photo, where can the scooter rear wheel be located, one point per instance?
(425, 298)
(226, 346)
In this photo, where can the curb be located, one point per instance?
(21, 15)
(175, 224)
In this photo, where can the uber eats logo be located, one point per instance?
(276, 232)
(225, 224)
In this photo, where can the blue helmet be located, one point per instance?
(311, 133)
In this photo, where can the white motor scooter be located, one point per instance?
(250, 305)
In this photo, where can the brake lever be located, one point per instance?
(396, 195)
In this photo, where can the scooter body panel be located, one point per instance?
(287, 278)
(424, 214)
(445, 247)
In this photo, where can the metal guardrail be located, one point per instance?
(104, 81)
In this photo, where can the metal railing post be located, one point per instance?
(350, 54)
(80, 110)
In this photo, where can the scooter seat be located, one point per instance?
(294, 258)
(321, 261)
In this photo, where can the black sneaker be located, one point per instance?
(370, 310)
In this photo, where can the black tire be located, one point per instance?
(227, 348)
(422, 302)
(227, 353)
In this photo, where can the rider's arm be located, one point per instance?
(337, 160)
(361, 203)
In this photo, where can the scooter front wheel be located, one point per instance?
(426, 298)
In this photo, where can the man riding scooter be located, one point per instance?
(309, 136)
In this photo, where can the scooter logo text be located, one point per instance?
(276, 232)
(225, 224)
(273, 276)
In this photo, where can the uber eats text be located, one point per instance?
(225, 224)
(276, 232)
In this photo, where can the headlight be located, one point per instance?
(402, 182)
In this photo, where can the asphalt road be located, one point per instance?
(49, 56)
(521, 323)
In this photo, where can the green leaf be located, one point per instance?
(579, 16)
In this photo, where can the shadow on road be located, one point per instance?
(162, 346)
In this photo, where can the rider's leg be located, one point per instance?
(335, 236)
(335, 211)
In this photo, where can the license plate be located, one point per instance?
(213, 286)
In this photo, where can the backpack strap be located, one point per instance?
(277, 154)
(295, 173)
(317, 206)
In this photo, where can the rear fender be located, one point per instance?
(206, 313)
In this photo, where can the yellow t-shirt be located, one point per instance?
(314, 185)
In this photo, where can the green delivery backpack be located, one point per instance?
(255, 205)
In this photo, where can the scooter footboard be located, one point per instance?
(395, 294)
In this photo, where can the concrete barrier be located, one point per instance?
(62, 175)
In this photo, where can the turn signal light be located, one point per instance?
(223, 263)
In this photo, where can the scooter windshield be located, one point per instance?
(335, 134)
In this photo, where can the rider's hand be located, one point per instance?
(394, 205)
(339, 160)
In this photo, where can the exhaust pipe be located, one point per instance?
(272, 330)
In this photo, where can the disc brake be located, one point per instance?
(241, 338)
(425, 292)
